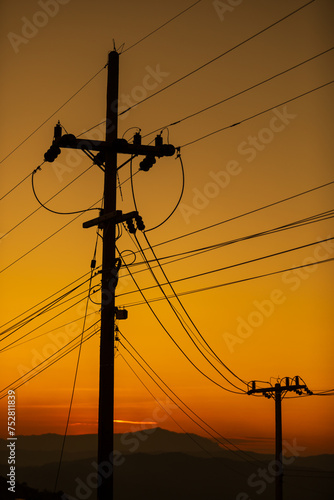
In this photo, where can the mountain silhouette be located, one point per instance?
(159, 464)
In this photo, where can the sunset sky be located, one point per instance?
(262, 329)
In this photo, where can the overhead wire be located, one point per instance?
(217, 57)
(18, 344)
(226, 99)
(183, 324)
(42, 205)
(53, 114)
(44, 300)
(43, 324)
(17, 185)
(174, 420)
(182, 402)
(177, 314)
(237, 94)
(161, 26)
(243, 280)
(205, 273)
(46, 308)
(253, 211)
(168, 333)
(56, 232)
(244, 214)
(293, 225)
(81, 88)
(52, 197)
(255, 115)
(46, 239)
(77, 365)
(163, 408)
(178, 201)
(33, 371)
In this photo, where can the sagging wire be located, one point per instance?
(55, 211)
(178, 156)
(93, 265)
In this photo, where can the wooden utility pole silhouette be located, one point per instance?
(107, 221)
(276, 393)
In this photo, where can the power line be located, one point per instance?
(197, 251)
(225, 267)
(182, 322)
(217, 57)
(46, 308)
(46, 239)
(52, 197)
(170, 416)
(161, 26)
(77, 364)
(213, 225)
(16, 344)
(178, 201)
(184, 404)
(169, 335)
(56, 232)
(244, 214)
(257, 114)
(45, 323)
(239, 93)
(212, 287)
(187, 414)
(17, 185)
(52, 115)
(188, 316)
(34, 371)
(44, 300)
(81, 88)
(42, 205)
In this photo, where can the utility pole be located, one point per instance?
(277, 393)
(109, 277)
(106, 159)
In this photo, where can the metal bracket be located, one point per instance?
(117, 217)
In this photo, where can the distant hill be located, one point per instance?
(159, 464)
(45, 448)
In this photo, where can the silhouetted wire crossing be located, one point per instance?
(217, 57)
(169, 334)
(182, 402)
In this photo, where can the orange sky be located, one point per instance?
(276, 155)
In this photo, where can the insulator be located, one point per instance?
(57, 131)
(158, 140)
(147, 163)
(140, 223)
(131, 226)
(52, 153)
(137, 138)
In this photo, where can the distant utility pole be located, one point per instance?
(276, 392)
(108, 219)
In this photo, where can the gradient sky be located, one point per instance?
(274, 156)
